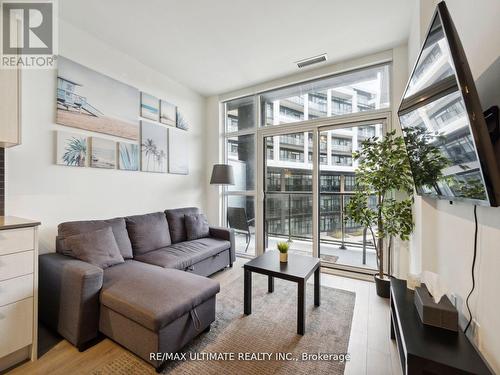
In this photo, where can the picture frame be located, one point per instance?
(150, 107)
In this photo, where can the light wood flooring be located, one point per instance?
(371, 349)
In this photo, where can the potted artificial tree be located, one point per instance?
(383, 170)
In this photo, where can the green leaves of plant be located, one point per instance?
(425, 157)
(283, 246)
(383, 170)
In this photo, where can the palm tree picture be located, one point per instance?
(128, 156)
(153, 147)
(181, 121)
(71, 149)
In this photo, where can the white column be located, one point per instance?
(276, 112)
(276, 139)
(276, 148)
(379, 91)
(306, 106)
(329, 147)
(354, 101)
(315, 188)
(355, 144)
(427, 121)
(306, 149)
(329, 102)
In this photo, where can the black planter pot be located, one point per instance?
(383, 286)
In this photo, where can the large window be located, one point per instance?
(288, 156)
(240, 114)
(241, 156)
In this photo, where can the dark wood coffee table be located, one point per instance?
(298, 269)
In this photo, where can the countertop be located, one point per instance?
(12, 222)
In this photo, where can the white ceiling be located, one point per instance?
(221, 45)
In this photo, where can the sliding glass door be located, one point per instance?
(294, 167)
(342, 241)
(288, 205)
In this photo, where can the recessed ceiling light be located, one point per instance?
(311, 60)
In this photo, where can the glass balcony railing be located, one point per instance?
(289, 215)
(343, 148)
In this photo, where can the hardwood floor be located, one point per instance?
(371, 349)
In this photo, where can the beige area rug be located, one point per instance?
(271, 328)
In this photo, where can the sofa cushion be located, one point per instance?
(176, 223)
(153, 296)
(148, 232)
(185, 254)
(77, 227)
(196, 226)
(98, 248)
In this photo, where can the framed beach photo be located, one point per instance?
(102, 153)
(168, 113)
(178, 151)
(150, 107)
(92, 101)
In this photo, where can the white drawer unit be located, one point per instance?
(16, 325)
(18, 290)
(16, 240)
(17, 264)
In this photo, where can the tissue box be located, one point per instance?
(442, 314)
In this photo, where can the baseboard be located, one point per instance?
(350, 274)
(15, 359)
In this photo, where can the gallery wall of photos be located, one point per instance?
(154, 131)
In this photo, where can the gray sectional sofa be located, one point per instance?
(156, 300)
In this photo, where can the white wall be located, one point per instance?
(215, 155)
(400, 256)
(447, 231)
(39, 189)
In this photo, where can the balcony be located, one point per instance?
(299, 141)
(285, 119)
(342, 148)
(288, 217)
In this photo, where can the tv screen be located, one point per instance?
(449, 149)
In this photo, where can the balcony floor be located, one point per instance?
(351, 256)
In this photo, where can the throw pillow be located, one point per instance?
(72, 228)
(98, 247)
(196, 226)
(148, 232)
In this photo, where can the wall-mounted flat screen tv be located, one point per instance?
(449, 148)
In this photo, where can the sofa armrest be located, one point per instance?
(228, 235)
(69, 297)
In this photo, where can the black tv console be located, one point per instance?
(428, 350)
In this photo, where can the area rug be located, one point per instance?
(265, 342)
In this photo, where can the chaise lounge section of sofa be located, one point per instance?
(157, 300)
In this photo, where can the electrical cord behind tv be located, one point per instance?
(473, 266)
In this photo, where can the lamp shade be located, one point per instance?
(222, 174)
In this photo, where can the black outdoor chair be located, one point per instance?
(238, 220)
